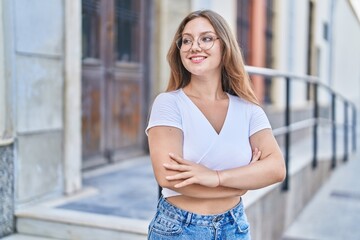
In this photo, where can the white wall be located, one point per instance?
(39, 48)
(290, 47)
(168, 15)
(6, 125)
(346, 42)
(34, 72)
(72, 97)
(3, 114)
(339, 55)
(322, 17)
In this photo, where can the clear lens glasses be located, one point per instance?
(204, 41)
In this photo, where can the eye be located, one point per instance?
(207, 38)
(186, 41)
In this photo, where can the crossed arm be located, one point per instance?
(195, 180)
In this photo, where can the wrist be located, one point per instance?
(219, 178)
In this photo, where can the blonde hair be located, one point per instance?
(234, 78)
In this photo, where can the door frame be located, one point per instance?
(72, 98)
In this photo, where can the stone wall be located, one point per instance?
(35, 59)
(6, 190)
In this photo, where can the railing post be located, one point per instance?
(354, 128)
(333, 118)
(315, 128)
(285, 185)
(346, 155)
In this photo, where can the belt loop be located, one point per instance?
(233, 215)
(188, 219)
(160, 200)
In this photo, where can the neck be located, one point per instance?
(205, 88)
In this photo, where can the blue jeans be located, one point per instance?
(173, 223)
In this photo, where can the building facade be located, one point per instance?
(77, 78)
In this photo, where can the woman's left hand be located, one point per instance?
(191, 173)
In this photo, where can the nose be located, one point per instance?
(195, 46)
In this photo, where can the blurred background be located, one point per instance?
(77, 79)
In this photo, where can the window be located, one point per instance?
(243, 28)
(127, 31)
(269, 34)
(310, 55)
(90, 28)
(268, 49)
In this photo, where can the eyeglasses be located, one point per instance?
(205, 42)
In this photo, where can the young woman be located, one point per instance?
(209, 139)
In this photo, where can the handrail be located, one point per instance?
(315, 120)
(294, 127)
(268, 72)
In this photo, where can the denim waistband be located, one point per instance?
(184, 216)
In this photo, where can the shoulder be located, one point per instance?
(165, 111)
(247, 109)
(167, 102)
(240, 102)
(167, 97)
(254, 114)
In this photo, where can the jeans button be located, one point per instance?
(217, 218)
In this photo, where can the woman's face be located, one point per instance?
(196, 60)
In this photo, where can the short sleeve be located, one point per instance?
(165, 112)
(258, 120)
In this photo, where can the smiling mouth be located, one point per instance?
(197, 59)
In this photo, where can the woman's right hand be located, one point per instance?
(191, 173)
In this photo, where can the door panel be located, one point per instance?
(93, 68)
(125, 114)
(125, 131)
(92, 120)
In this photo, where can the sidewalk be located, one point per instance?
(334, 212)
(124, 190)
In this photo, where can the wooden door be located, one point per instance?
(113, 80)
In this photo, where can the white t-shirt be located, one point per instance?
(202, 144)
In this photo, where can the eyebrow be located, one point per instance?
(199, 34)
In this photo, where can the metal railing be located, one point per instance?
(313, 122)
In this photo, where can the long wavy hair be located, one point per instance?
(234, 78)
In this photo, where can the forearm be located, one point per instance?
(199, 191)
(254, 176)
(195, 190)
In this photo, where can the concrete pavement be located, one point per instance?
(334, 212)
(24, 237)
